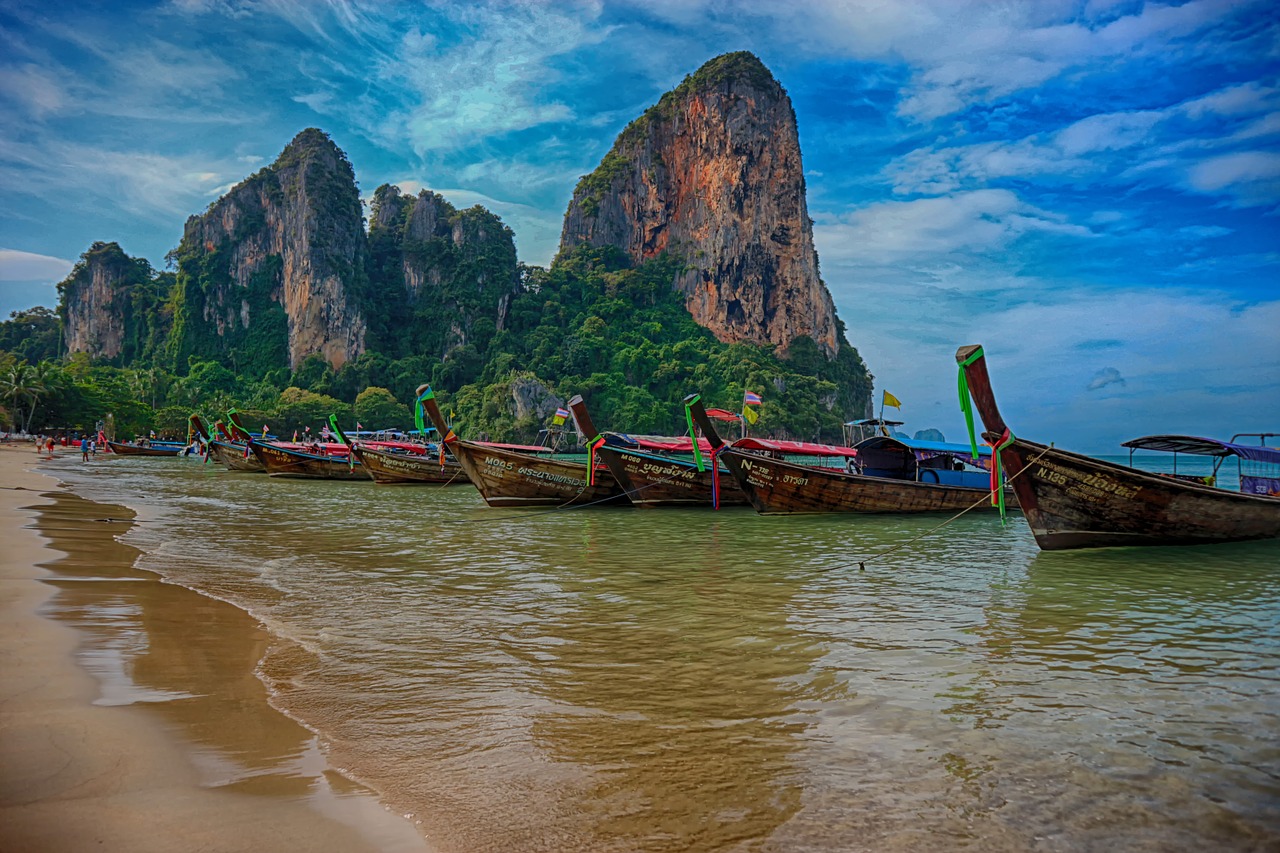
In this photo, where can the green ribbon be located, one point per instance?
(966, 402)
(693, 435)
(342, 436)
(417, 410)
(997, 482)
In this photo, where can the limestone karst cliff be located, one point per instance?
(109, 303)
(712, 173)
(272, 272)
(441, 277)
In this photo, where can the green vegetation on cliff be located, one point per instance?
(619, 335)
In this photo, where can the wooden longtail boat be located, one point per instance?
(392, 468)
(301, 464)
(403, 464)
(232, 456)
(514, 476)
(146, 448)
(1075, 501)
(650, 476)
(776, 486)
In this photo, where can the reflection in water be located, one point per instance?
(698, 680)
(190, 658)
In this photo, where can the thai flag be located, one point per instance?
(562, 413)
(751, 398)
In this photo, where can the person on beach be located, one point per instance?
(49, 445)
(84, 450)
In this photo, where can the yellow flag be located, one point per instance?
(890, 400)
(750, 414)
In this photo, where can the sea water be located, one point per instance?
(695, 680)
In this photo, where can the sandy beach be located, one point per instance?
(172, 748)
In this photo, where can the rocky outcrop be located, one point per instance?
(441, 277)
(106, 304)
(282, 254)
(712, 173)
(531, 399)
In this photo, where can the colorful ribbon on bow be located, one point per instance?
(693, 434)
(715, 475)
(418, 422)
(997, 481)
(966, 402)
(594, 443)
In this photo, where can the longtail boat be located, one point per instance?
(1076, 501)
(145, 447)
(403, 463)
(776, 484)
(519, 476)
(319, 462)
(659, 472)
(400, 468)
(233, 452)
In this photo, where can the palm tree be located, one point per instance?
(23, 383)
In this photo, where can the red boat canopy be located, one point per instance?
(794, 448)
(680, 444)
(724, 415)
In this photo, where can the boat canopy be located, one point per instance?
(1205, 447)
(724, 415)
(873, 422)
(922, 448)
(656, 443)
(794, 448)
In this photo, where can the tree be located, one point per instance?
(22, 384)
(378, 408)
(298, 409)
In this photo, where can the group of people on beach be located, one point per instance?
(45, 445)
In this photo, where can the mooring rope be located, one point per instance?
(862, 564)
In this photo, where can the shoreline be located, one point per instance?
(130, 713)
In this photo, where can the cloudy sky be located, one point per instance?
(1090, 189)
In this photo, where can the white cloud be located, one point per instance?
(963, 52)
(156, 187)
(1248, 177)
(1179, 352)
(895, 232)
(16, 265)
(1181, 146)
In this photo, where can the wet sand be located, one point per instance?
(130, 715)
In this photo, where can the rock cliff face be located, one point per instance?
(451, 271)
(712, 173)
(107, 304)
(271, 273)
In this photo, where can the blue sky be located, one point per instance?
(1090, 189)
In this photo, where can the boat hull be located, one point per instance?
(777, 487)
(233, 457)
(406, 469)
(508, 478)
(1075, 501)
(139, 450)
(652, 481)
(282, 462)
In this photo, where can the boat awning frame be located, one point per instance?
(1199, 446)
